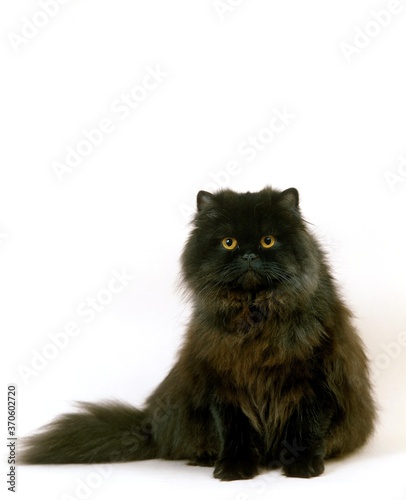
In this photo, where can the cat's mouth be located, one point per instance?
(250, 279)
(253, 280)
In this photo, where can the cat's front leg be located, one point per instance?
(303, 449)
(239, 457)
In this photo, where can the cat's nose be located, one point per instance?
(249, 256)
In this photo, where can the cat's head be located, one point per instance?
(248, 242)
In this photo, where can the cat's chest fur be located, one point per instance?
(256, 360)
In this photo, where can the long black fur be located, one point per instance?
(272, 372)
(100, 433)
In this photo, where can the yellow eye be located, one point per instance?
(229, 243)
(268, 241)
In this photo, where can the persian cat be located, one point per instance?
(271, 373)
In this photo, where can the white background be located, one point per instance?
(123, 206)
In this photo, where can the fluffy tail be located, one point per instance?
(100, 433)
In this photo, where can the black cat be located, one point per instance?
(271, 374)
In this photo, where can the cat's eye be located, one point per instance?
(229, 243)
(268, 241)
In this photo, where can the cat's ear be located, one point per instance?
(204, 199)
(290, 198)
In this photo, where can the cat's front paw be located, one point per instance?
(235, 469)
(305, 467)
